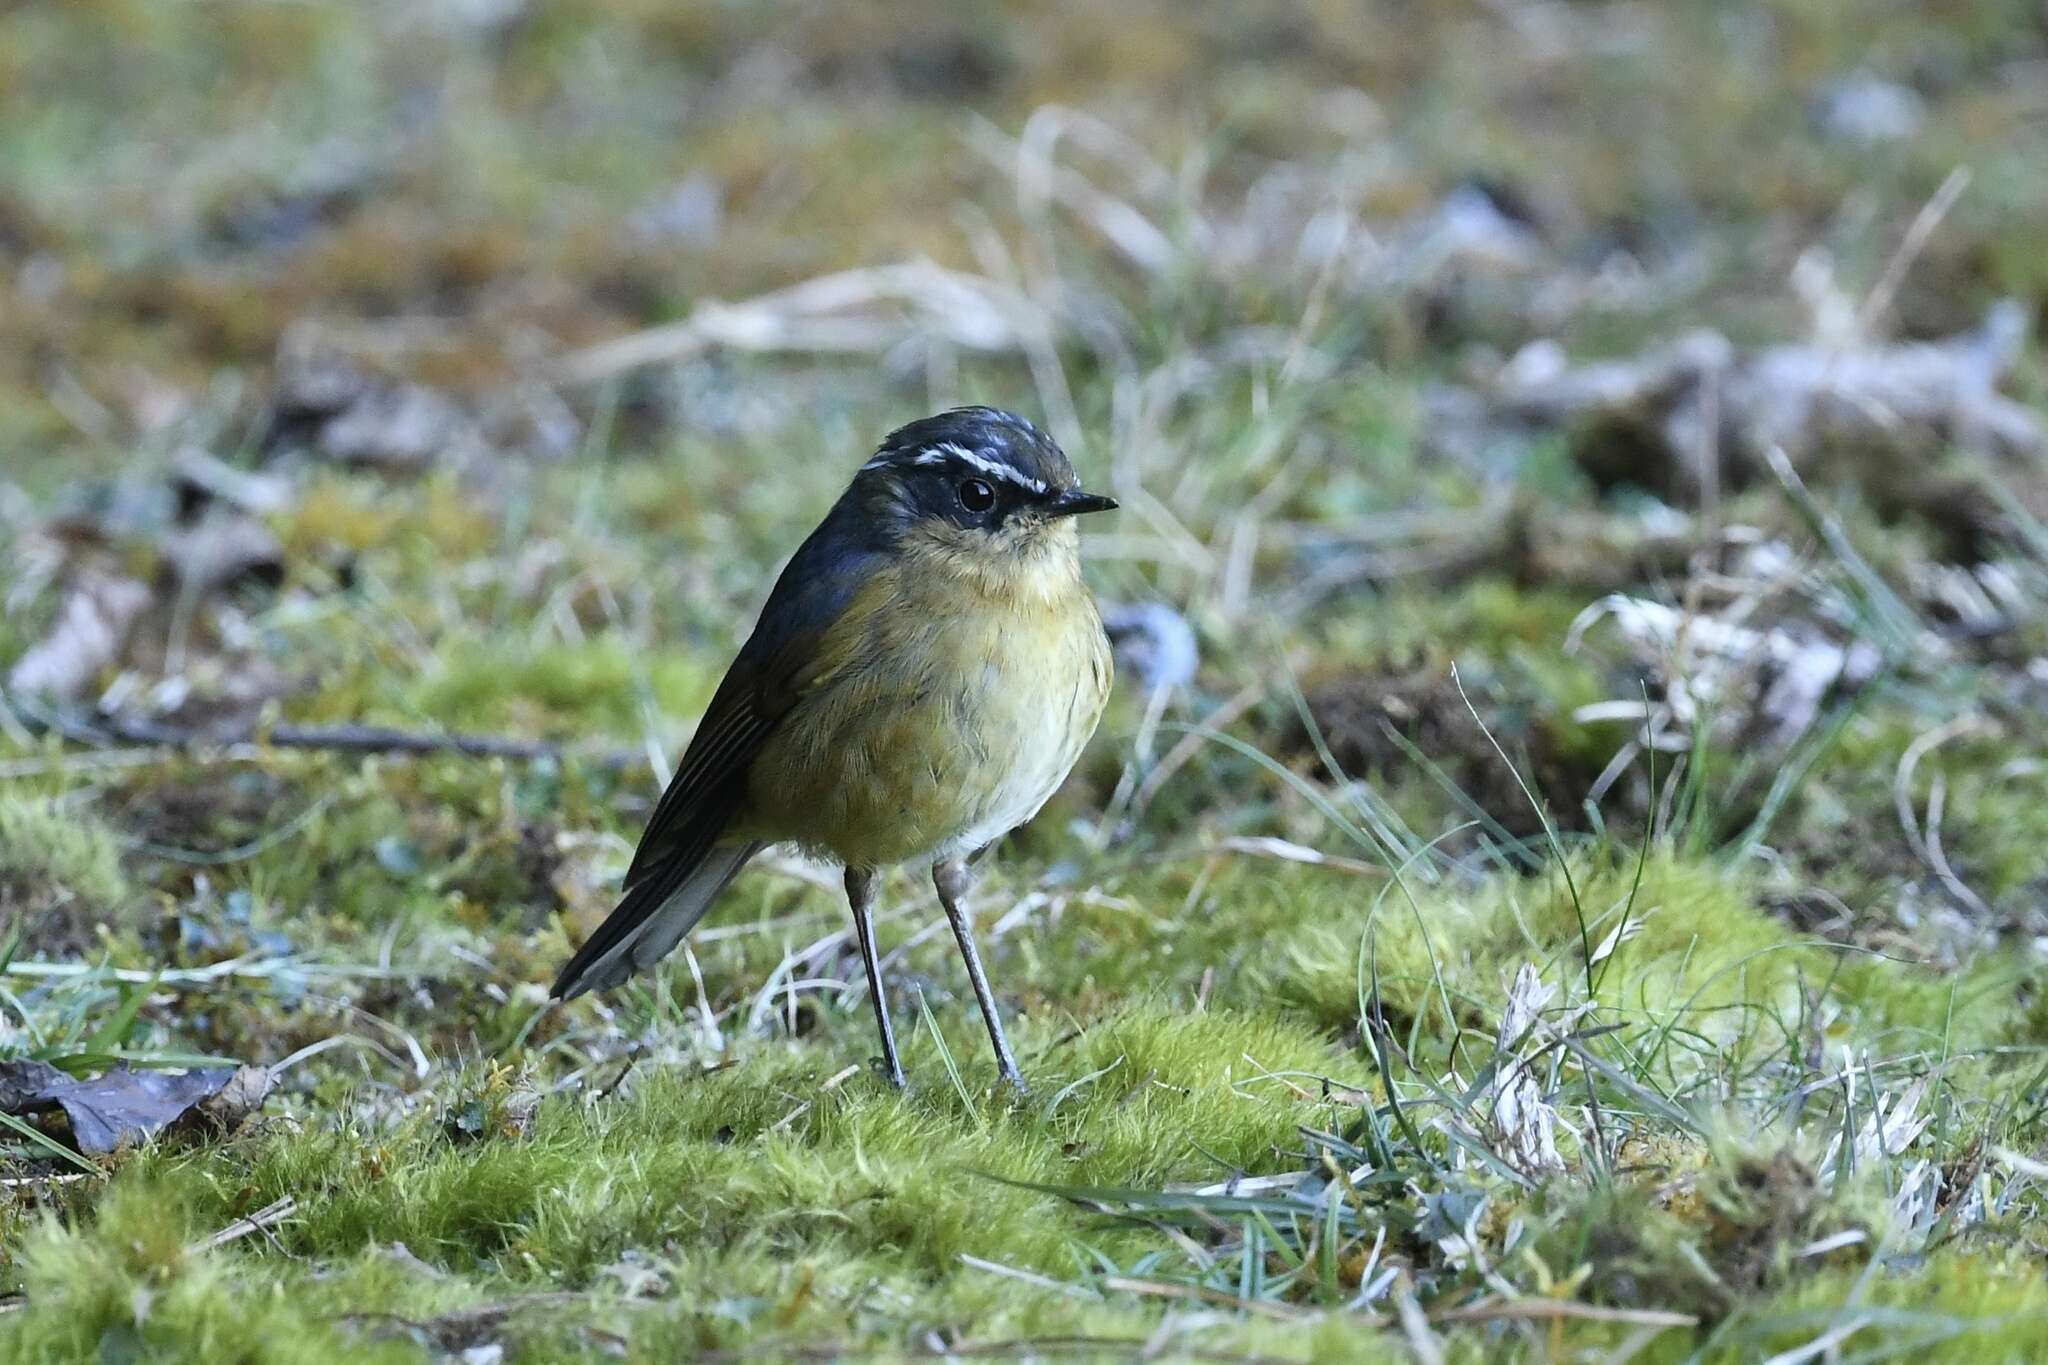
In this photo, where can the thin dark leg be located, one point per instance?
(860, 894)
(951, 878)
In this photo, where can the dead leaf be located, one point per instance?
(637, 1277)
(90, 633)
(1700, 414)
(1712, 666)
(219, 551)
(314, 382)
(1153, 641)
(228, 1107)
(126, 1106)
(402, 426)
(200, 477)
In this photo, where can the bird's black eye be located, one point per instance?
(976, 495)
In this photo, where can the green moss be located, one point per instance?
(127, 1286)
(1960, 1304)
(61, 879)
(1704, 968)
(731, 1179)
(497, 686)
(55, 849)
(1847, 832)
(737, 1160)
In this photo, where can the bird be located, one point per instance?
(923, 676)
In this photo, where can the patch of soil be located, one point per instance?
(52, 923)
(1766, 1208)
(205, 808)
(521, 870)
(1717, 1239)
(1364, 717)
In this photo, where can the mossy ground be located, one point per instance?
(705, 1163)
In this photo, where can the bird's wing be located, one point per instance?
(782, 661)
(652, 918)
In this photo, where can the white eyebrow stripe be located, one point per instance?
(947, 450)
(992, 468)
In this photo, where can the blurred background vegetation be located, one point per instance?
(1584, 470)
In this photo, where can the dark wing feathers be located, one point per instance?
(709, 781)
(682, 857)
(608, 956)
(773, 669)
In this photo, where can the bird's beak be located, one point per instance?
(1073, 502)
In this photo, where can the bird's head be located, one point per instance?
(977, 492)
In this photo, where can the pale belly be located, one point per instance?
(948, 732)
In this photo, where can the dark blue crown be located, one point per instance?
(983, 437)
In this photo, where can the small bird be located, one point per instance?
(923, 677)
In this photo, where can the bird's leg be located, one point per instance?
(951, 878)
(860, 894)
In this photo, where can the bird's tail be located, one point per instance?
(651, 920)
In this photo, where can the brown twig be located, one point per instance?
(1544, 1310)
(1263, 846)
(1532, 1309)
(1201, 1293)
(1132, 1348)
(101, 731)
(1189, 744)
(262, 1220)
(1927, 843)
(861, 310)
(793, 1115)
(1915, 241)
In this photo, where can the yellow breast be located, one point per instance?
(953, 707)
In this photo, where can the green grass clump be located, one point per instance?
(1994, 818)
(63, 850)
(1962, 1304)
(1702, 964)
(129, 1286)
(723, 1185)
(58, 863)
(718, 1162)
(606, 686)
